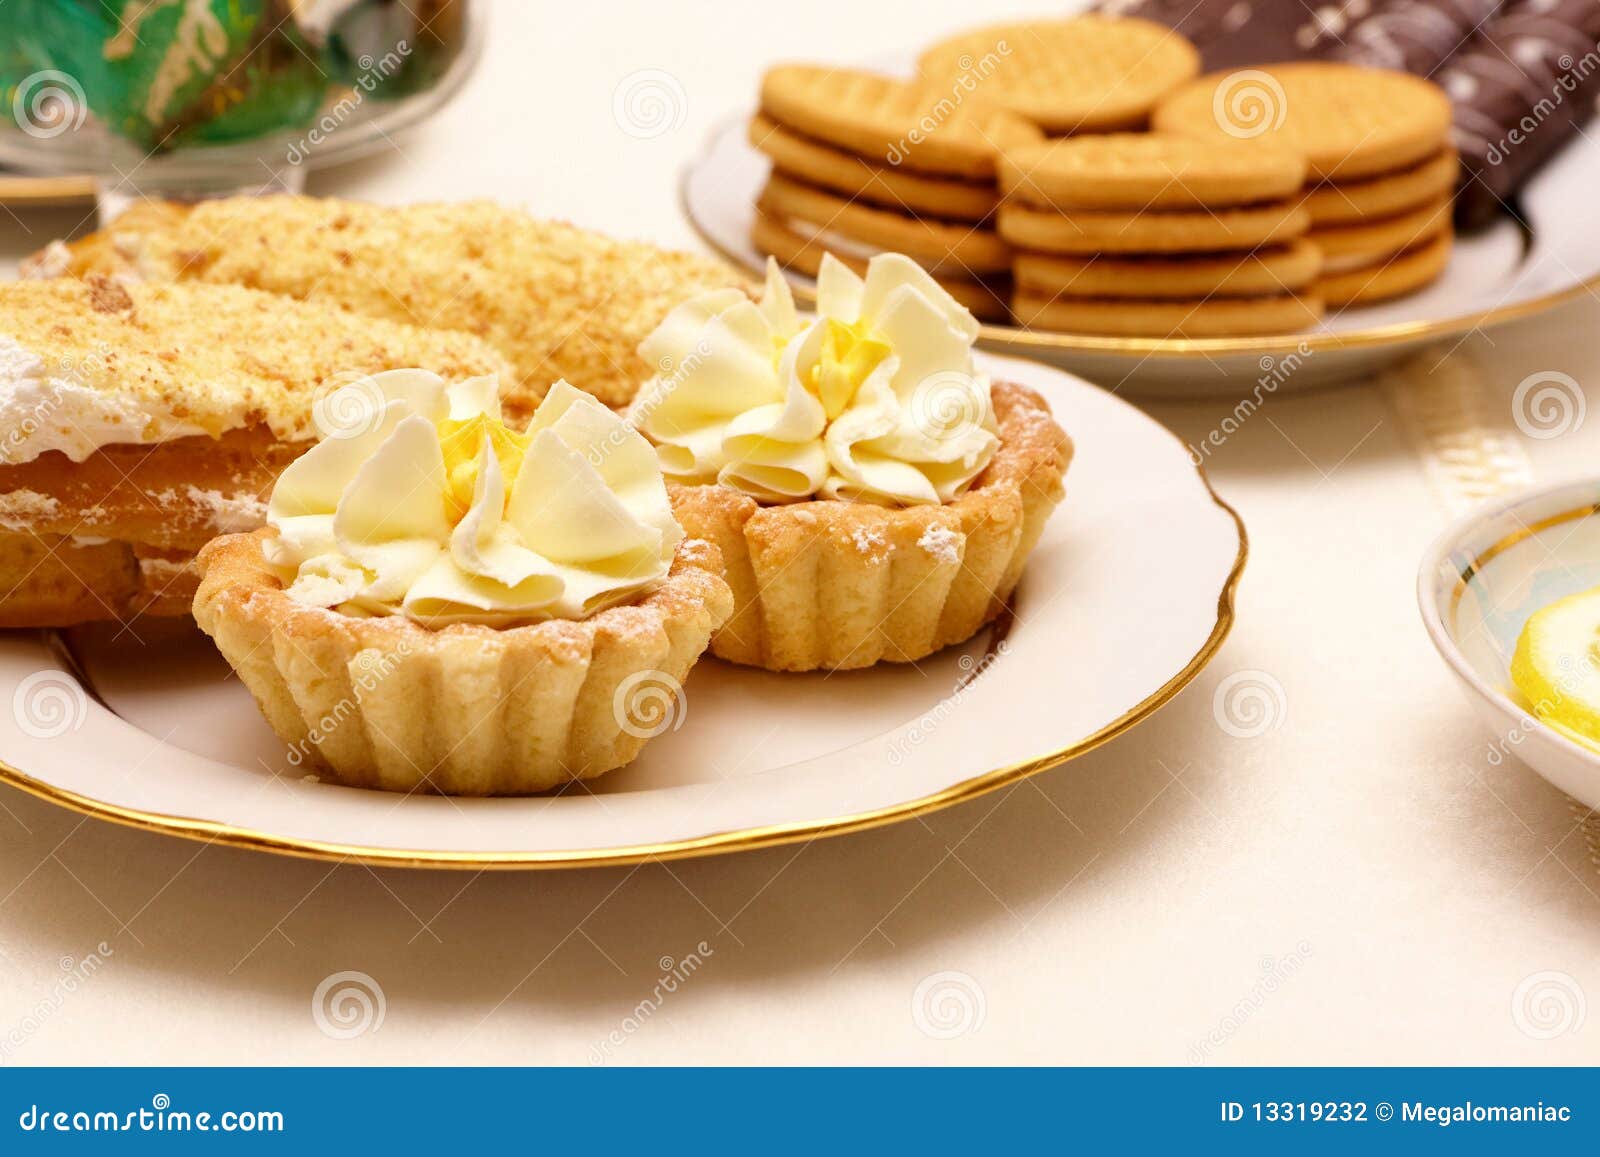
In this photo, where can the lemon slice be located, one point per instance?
(1557, 665)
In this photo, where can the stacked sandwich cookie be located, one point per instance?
(1089, 74)
(1514, 70)
(864, 163)
(1159, 236)
(1380, 166)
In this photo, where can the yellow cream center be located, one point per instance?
(462, 442)
(849, 355)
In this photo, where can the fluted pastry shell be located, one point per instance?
(466, 710)
(839, 585)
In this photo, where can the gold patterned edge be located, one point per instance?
(1468, 572)
(1014, 339)
(718, 843)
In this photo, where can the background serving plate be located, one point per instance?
(1126, 598)
(1495, 275)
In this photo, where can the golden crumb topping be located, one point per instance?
(202, 358)
(556, 300)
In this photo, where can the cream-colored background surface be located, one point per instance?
(1356, 884)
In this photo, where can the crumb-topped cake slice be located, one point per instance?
(138, 421)
(556, 300)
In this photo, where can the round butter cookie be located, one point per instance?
(1202, 231)
(963, 247)
(1349, 122)
(1350, 202)
(1089, 74)
(797, 250)
(1273, 269)
(890, 122)
(1356, 246)
(847, 173)
(1217, 317)
(1404, 273)
(1149, 171)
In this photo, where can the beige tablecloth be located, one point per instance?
(1357, 884)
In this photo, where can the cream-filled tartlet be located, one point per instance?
(874, 496)
(442, 602)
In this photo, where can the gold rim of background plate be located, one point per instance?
(1014, 339)
(737, 840)
(19, 189)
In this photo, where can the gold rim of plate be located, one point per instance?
(1015, 339)
(21, 190)
(737, 840)
(1469, 570)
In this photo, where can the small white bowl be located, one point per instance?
(1479, 583)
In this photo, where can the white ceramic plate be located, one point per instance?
(1479, 583)
(1126, 598)
(1493, 276)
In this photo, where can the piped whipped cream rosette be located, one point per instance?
(873, 494)
(437, 510)
(877, 399)
(443, 602)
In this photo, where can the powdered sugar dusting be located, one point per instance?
(942, 543)
(19, 509)
(163, 570)
(228, 513)
(869, 541)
